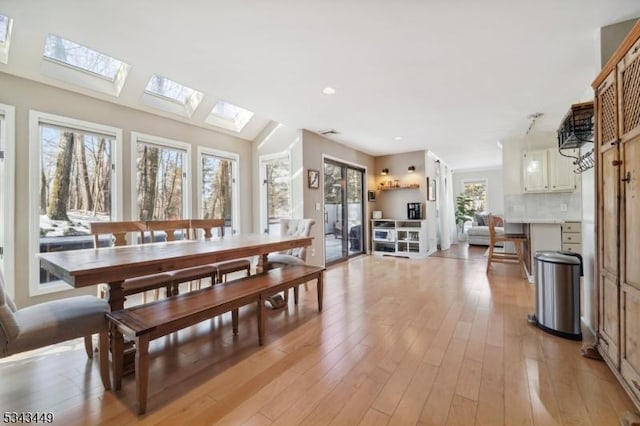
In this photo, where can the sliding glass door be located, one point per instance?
(343, 211)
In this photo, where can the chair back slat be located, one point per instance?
(207, 226)
(169, 227)
(118, 231)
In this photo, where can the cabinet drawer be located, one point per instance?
(574, 248)
(571, 227)
(572, 238)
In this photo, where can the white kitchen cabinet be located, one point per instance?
(561, 175)
(545, 170)
(534, 171)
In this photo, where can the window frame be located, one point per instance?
(7, 144)
(464, 182)
(235, 174)
(138, 137)
(35, 119)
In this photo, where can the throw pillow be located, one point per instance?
(481, 219)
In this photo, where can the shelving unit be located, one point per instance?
(405, 238)
(393, 188)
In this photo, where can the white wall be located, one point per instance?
(393, 203)
(495, 186)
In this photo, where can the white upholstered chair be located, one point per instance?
(295, 256)
(54, 322)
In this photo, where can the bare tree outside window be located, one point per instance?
(75, 187)
(160, 182)
(477, 192)
(278, 181)
(217, 190)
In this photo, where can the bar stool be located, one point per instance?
(516, 239)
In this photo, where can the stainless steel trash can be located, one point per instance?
(558, 293)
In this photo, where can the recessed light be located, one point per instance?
(329, 91)
(397, 138)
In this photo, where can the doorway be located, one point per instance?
(343, 211)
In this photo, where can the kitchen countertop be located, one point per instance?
(535, 220)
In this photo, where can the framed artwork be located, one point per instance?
(313, 178)
(431, 189)
(371, 195)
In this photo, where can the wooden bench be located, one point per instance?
(144, 323)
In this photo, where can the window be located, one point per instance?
(217, 194)
(170, 96)
(275, 173)
(161, 167)
(74, 181)
(78, 64)
(5, 37)
(7, 141)
(477, 191)
(229, 116)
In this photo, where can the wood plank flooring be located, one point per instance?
(400, 342)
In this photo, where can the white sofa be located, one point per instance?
(478, 235)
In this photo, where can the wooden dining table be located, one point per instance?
(113, 265)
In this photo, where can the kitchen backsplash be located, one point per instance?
(559, 206)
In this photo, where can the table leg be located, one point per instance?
(320, 291)
(260, 321)
(142, 371)
(234, 320)
(117, 355)
(116, 295)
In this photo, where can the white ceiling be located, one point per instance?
(451, 76)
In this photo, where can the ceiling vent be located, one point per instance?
(329, 132)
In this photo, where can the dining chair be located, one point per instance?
(502, 257)
(207, 226)
(295, 256)
(175, 230)
(119, 232)
(53, 322)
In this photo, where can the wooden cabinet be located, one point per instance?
(572, 237)
(545, 170)
(617, 145)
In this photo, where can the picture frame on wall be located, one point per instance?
(431, 189)
(313, 179)
(371, 195)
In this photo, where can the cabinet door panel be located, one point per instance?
(629, 93)
(609, 189)
(562, 177)
(534, 171)
(630, 229)
(630, 354)
(607, 111)
(610, 318)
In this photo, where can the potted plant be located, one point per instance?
(464, 212)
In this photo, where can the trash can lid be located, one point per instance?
(557, 257)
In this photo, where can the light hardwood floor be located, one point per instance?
(400, 341)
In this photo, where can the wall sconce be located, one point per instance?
(411, 169)
(384, 172)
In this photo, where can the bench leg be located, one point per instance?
(103, 358)
(296, 290)
(117, 356)
(260, 321)
(234, 320)
(320, 291)
(142, 371)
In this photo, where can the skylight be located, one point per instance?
(77, 64)
(170, 96)
(229, 116)
(5, 37)
(162, 86)
(4, 28)
(81, 57)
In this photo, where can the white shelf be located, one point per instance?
(404, 238)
